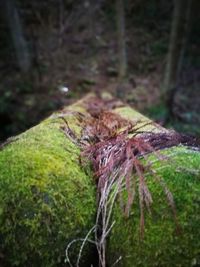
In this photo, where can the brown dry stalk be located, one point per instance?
(116, 159)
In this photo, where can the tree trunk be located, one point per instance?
(185, 40)
(122, 66)
(19, 41)
(48, 200)
(175, 46)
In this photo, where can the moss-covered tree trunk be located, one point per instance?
(163, 243)
(48, 199)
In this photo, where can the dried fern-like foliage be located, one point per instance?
(122, 155)
(116, 147)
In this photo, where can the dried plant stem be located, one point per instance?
(115, 147)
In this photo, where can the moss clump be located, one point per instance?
(162, 244)
(143, 123)
(46, 199)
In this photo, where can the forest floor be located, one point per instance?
(87, 61)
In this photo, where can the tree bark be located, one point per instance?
(175, 46)
(122, 65)
(187, 28)
(17, 35)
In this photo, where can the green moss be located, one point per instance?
(46, 198)
(142, 123)
(162, 244)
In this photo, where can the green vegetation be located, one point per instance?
(46, 198)
(163, 244)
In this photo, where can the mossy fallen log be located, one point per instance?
(48, 198)
(163, 244)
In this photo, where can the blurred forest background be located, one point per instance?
(145, 52)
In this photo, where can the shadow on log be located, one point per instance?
(48, 198)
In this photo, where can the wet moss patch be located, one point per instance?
(46, 198)
(163, 245)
